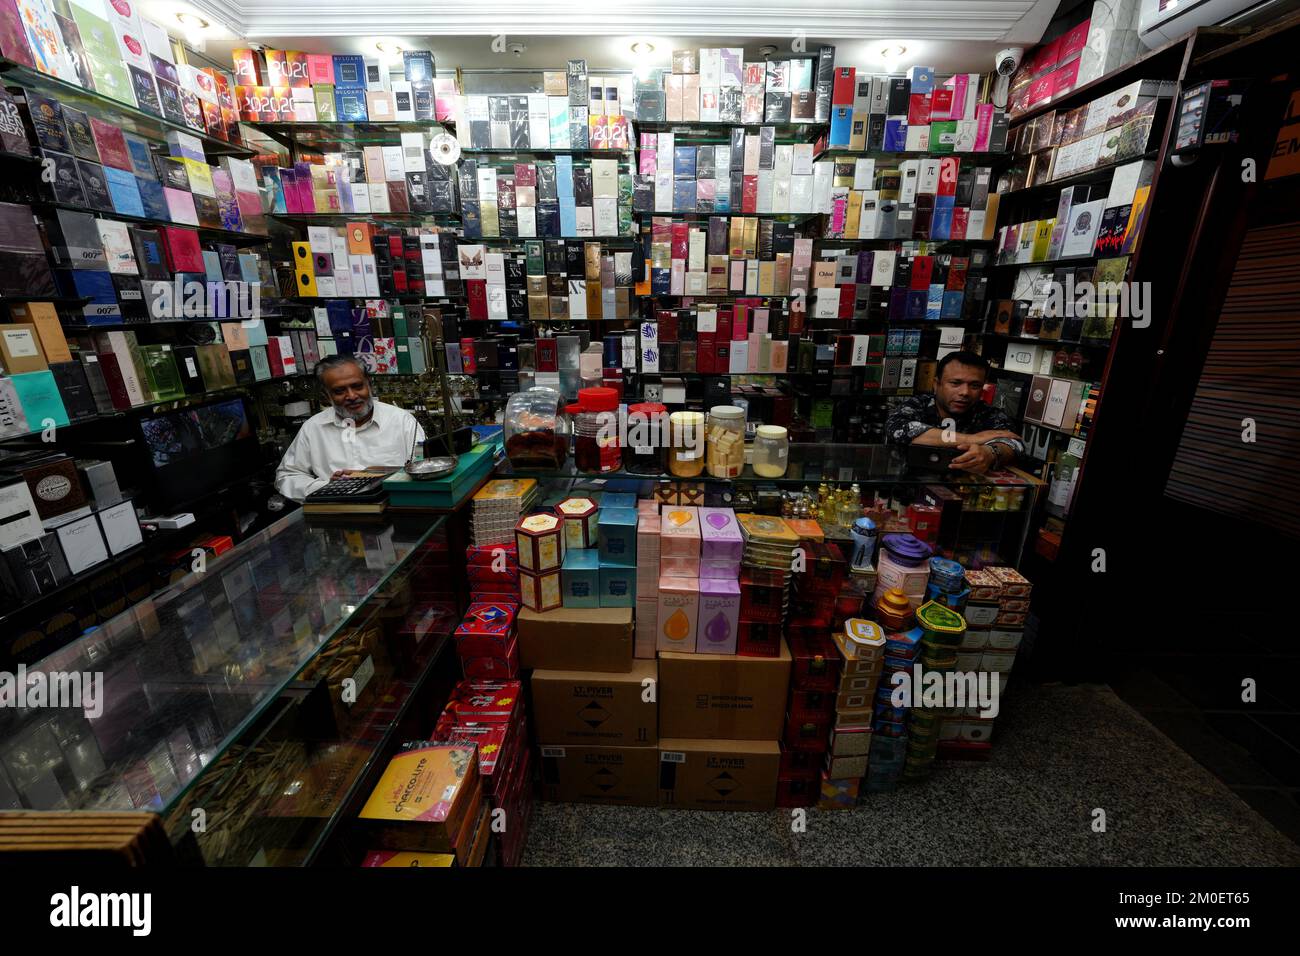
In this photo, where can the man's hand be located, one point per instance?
(340, 474)
(974, 458)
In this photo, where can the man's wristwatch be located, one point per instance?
(993, 445)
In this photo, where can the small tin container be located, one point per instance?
(942, 626)
(893, 610)
(946, 575)
(955, 600)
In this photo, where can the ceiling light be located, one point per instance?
(767, 50)
(389, 49)
(643, 48)
(893, 52)
(192, 21)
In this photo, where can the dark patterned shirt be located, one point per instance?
(916, 415)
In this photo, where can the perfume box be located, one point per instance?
(680, 534)
(580, 578)
(721, 543)
(617, 586)
(678, 610)
(718, 616)
(616, 533)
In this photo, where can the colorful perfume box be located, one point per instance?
(618, 499)
(616, 531)
(540, 540)
(679, 604)
(541, 592)
(580, 578)
(679, 566)
(579, 516)
(617, 586)
(487, 630)
(721, 543)
(718, 617)
(679, 534)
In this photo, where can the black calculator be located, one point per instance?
(354, 489)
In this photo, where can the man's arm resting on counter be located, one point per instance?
(294, 477)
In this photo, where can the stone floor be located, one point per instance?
(1059, 753)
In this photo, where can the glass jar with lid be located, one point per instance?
(686, 444)
(771, 451)
(647, 438)
(595, 431)
(726, 441)
(536, 429)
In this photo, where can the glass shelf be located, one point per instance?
(206, 232)
(868, 465)
(187, 672)
(348, 134)
(784, 132)
(441, 218)
(792, 217)
(128, 117)
(982, 155)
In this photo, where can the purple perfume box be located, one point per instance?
(721, 543)
(718, 616)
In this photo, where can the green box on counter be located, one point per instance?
(616, 532)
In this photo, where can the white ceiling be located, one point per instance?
(946, 34)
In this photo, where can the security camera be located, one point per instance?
(1008, 60)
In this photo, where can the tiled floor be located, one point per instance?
(1060, 753)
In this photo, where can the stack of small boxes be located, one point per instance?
(497, 507)
(677, 614)
(888, 753)
(721, 549)
(765, 574)
(489, 715)
(941, 632)
(580, 572)
(493, 572)
(539, 539)
(861, 646)
(995, 615)
(648, 529)
(486, 642)
(814, 684)
(616, 537)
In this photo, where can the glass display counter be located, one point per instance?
(248, 702)
(984, 519)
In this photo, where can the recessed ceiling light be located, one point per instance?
(767, 50)
(192, 21)
(893, 52)
(643, 48)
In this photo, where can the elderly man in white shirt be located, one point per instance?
(357, 432)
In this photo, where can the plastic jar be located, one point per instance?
(595, 431)
(646, 422)
(771, 451)
(536, 429)
(726, 441)
(686, 444)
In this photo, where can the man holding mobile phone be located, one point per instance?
(955, 417)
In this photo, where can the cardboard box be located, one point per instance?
(718, 696)
(423, 799)
(718, 774)
(626, 776)
(578, 639)
(587, 708)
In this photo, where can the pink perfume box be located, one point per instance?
(679, 534)
(679, 604)
(721, 543)
(647, 506)
(676, 566)
(718, 616)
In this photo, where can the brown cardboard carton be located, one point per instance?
(594, 708)
(718, 774)
(723, 697)
(576, 639)
(627, 776)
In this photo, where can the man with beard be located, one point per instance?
(355, 433)
(954, 415)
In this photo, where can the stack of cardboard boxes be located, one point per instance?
(486, 641)
(649, 526)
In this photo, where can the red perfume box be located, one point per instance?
(758, 638)
(808, 734)
(798, 791)
(816, 662)
(815, 705)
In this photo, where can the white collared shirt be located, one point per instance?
(323, 446)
